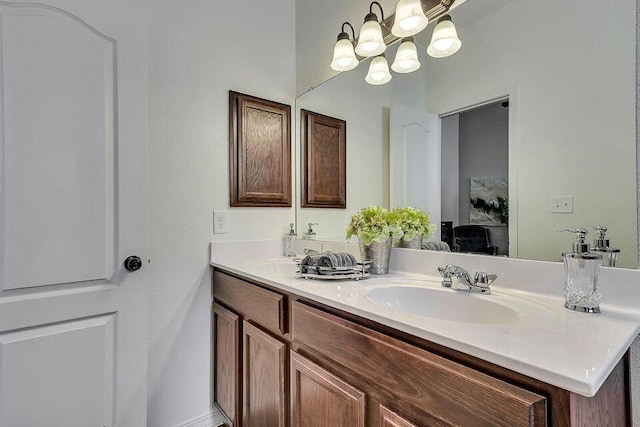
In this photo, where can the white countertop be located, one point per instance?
(571, 350)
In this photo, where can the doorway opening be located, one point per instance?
(475, 179)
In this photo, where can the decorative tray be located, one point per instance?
(356, 272)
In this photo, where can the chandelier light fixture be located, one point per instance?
(406, 57)
(444, 41)
(409, 19)
(344, 57)
(378, 71)
(371, 42)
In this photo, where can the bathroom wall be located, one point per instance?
(562, 127)
(198, 50)
(366, 110)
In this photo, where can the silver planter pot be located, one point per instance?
(378, 253)
(415, 243)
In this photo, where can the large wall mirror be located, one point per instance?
(538, 106)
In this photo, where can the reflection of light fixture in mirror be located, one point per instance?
(378, 71)
(406, 57)
(344, 58)
(410, 18)
(444, 41)
(370, 41)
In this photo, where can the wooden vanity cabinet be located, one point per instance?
(250, 353)
(421, 384)
(319, 398)
(227, 374)
(283, 360)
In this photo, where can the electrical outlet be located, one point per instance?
(220, 222)
(561, 204)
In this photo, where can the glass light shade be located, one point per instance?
(410, 18)
(370, 42)
(344, 58)
(378, 71)
(406, 58)
(444, 41)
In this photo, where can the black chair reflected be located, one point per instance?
(473, 239)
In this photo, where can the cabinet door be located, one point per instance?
(319, 398)
(226, 338)
(263, 378)
(389, 418)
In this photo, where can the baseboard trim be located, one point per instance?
(210, 419)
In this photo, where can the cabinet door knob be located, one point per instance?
(133, 263)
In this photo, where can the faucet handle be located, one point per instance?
(483, 279)
(445, 272)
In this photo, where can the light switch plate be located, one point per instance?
(561, 204)
(220, 222)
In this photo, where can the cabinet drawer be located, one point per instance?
(451, 393)
(255, 303)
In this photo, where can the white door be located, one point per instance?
(415, 161)
(73, 320)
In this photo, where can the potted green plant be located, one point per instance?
(414, 225)
(375, 233)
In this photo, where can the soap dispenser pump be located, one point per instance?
(290, 242)
(581, 267)
(310, 234)
(601, 246)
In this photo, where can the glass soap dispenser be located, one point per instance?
(601, 246)
(581, 268)
(290, 242)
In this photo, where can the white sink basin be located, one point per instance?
(444, 304)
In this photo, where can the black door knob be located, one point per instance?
(133, 263)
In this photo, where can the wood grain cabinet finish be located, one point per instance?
(449, 392)
(226, 371)
(389, 418)
(264, 378)
(324, 161)
(319, 398)
(259, 152)
(254, 302)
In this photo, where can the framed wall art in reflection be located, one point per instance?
(324, 161)
(489, 200)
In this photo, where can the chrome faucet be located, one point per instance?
(480, 284)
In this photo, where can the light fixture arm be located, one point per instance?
(353, 32)
(379, 7)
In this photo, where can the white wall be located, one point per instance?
(366, 110)
(198, 50)
(571, 138)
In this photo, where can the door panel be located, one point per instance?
(58, 91)
(415, 161)
(81, 353)
(73, 321)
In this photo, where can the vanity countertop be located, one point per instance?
(571, 350)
